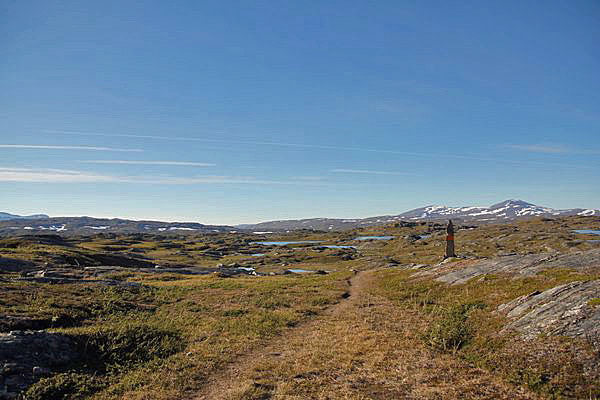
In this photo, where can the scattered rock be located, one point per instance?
(506, 254)
(106, 282)
(230, 272)
(40, 371)
(26, 356)
(413, 237)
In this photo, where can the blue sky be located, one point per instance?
(245, 111)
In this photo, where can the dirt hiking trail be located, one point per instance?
(359, 348)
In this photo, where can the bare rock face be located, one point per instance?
(523, 265)
(25, 356)
(565, 310)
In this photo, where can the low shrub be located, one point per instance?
(126, 346)
(61, 386)
(451, 331)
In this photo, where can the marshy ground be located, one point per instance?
(380, 324)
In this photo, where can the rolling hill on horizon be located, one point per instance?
(7, 216)
(507, 210)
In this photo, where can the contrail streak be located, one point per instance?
(132, 162)
(324, 147)
(44, 147)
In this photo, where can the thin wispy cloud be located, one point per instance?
(132, 162)
(327, 147)
(550, 149)
(370, 172)
(47, 175)
(46, 147)
(540, 148)
(309, 178)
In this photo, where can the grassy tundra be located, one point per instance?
(370, 328)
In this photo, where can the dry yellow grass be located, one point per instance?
(364, 348)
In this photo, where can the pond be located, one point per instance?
(336, 246)
(286, 243)
(588, 231)
(374, 238)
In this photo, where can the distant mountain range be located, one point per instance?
(7, 216)
(89, 225)
(505, 211)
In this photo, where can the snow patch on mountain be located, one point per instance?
(55, 228)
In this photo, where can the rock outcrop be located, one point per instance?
(565, 310)
(27, 356)
(571, 309)
(520, 265)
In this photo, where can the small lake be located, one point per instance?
(587, 231)
(424, 236)
(299, 271)
(335, 246)
(286, 243)
(374, 238)
(257, 255)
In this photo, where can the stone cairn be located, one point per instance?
(450, 240)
